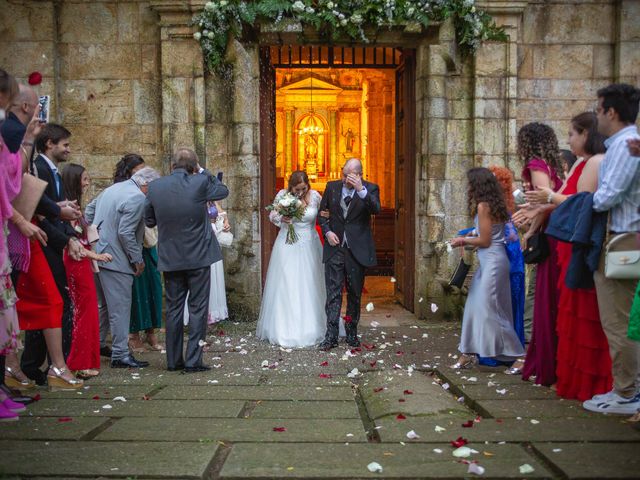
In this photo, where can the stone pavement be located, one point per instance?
(267, 412)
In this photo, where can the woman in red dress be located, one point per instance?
(84, 356)
(583, 366)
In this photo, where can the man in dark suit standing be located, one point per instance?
(187, 247)
(53, 144)
(348, 248)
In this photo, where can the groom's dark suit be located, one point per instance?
(350, 219)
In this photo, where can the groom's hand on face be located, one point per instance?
(354, 180)
(333, 239)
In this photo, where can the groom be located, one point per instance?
(348, 248)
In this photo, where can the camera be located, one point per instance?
(44, 102)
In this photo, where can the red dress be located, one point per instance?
(85, 341)
(583, 367)
(39, 302)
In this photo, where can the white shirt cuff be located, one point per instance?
(362, 193)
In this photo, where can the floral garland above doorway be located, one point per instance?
(338, 19)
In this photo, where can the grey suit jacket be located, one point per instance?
(177, 204)
(118, 215)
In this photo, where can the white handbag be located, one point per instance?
(621, 264)
(225, 239)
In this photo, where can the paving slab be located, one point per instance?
(508, 429)
(112, 459)
(533, 408)
(329, 377)
(161, 378)
(415, 395)
(234, 430)
(305, 409)
(105, 392)
(137, 408)
(350, 461)
(49, 428)
(511, 392)
(255, 393)
(594, 460)
(476, 376)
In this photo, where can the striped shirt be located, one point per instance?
(619, 183)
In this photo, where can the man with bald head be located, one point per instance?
(177, 205)
(348, 248)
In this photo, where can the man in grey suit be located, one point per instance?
(187, 247)
(118, 215)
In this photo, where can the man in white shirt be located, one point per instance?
(618, 193)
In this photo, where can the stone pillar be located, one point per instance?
(333, 143)
(288, 142)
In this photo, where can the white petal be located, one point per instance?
(369, 307)
(475, 469)
(412, 435)
(526, 468)
(375, 467)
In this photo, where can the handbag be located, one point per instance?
(150, 239)
(225, 239)
(622, 264)
(537, 249)
(460, 274)
(27, 200)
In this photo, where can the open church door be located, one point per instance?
(405, 180)
(268, 231)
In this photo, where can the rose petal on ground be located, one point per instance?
(412, 435)
(461, 452)
(502, 391)
(434, 307)
(459, 442)
(370, 307)
(400, 417)
(557, 450)
(202, 343)
(526, 468)
(437, 450)
(374, 324)
(107, 406)
(324, 364)
(467, 424)
(119, 399)
(324, 375)
(353, 373)
(408, 392)
(392, 280)
(279, 429)
(439, 429)
(95, 397)
(65, 419)
(374, 467)
(475, 469)
(534, 421)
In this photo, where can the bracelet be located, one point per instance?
(550, 198)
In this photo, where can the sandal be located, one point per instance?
(153, 343)
(86, 374)
(516, 367)
(465, 361)
(17, 379)
(57, 381)
(135, 344)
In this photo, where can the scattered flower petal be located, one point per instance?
(324, 364)
(502, 391)
(459, 442)
(279, 429)
(439, 429)
(202, 343)
(65, 419)
(534, 421)
(434, 307)
(370, 307)
(107, 406)
(462, 452)
(475, 469)
(119, 399)
(393, 280)
(408, 392)
(526, 468)
(437, 450)
(468, 424)
(412, 435)
(400, 417)
(375, 467)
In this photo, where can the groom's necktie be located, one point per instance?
(347, 200)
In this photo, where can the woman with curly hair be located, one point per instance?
(487, 323)
(538, 149)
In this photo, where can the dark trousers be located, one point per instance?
(343, 268)
(197, 284)
(35, 347)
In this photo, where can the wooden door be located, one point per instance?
(405, 180)
(268, 231)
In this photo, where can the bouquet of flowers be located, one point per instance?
(288, 205)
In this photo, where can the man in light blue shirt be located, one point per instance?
(618, 193)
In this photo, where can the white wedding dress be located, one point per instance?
(292, 312)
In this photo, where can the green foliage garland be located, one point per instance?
(338, 19)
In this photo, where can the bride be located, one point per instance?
(292, 312)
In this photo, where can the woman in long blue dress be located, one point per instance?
(487, 324)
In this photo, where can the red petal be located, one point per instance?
(400, 417)
(402, 400)
(399, 353)
(65, 419)
(373, 364)
(221, 333)
(368, 347)
(36, 397)
(324, 375)
(279, 429)
(146, 397)
(388, 315)
(498, 420)
(467, 424)
(95, 397)
(459, 442)
(324, 364)
(378, 389)
(347, 319)
(35, 78)
(408, 392)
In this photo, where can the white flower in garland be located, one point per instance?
(210, 35)
(223, 3)
(299, 6)
(210, 6)
(343, 22)
(356, 19)
(310, 10)
(197, 36)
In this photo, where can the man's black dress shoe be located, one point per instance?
(327, 345)
(178, 368)
(105, 351)
(128, 362)
(353, 342)
(197, 368)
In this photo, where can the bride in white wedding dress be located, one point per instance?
(292, 312)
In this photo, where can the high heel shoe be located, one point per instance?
(153, 343)
(465, 361)
(136, 345)
(516, 368)
(58, 382)
(12, 380)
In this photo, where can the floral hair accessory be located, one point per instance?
(35, 78)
